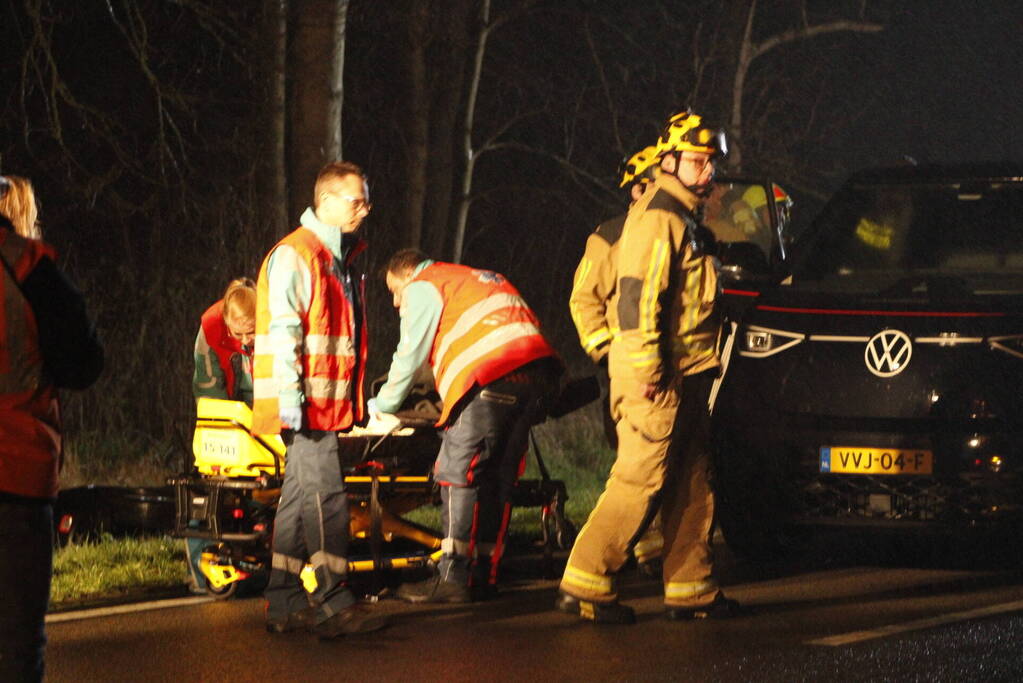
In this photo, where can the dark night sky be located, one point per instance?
(948, 73)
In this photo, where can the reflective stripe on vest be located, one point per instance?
(486, 330)
(328, 358)
(29, 424)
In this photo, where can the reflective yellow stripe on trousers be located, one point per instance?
(594, 583)
(683, 590)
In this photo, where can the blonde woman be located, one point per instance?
(48, 342)
(18, 205)
(223, 347)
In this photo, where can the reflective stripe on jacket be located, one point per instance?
(592, 289)
(486, 330)
(29, 420)
(331, 370)
(667, 288)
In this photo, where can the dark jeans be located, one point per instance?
(480, 459)
(26, 563)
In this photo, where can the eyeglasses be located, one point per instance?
(698, 164)
(358, 203)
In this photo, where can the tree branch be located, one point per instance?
(795, 34)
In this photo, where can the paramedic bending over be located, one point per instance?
(223, 369)
(223, 347)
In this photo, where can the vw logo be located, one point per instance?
(888, 353)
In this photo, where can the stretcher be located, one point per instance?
(229, 498)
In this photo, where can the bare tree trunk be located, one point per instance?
(750, 51)
(746, 50)
(337, 86)
(316, 64)
(418, 121)
(275, 207)
(448, 94)
(470, 115)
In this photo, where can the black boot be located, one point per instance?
(721, 608)
(598, 612)
(480, 585)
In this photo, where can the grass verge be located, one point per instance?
(116, 567)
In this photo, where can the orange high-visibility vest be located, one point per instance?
(486, 330)
(29, 418)
(331, 373)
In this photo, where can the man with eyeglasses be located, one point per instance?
(661, 364)
(308, 369)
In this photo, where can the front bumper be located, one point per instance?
(781, 466)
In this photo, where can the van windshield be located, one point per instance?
(904, 239)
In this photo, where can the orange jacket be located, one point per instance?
(331, 369)
(29, 419)
(486, 330)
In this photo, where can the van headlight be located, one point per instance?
(760, 342)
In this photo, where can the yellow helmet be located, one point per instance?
(685, 132)
(634, 168)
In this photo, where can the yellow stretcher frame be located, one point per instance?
(229, 456)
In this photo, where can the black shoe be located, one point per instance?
(434, 589)
(651, 567)
(721, 608)
(480, 592)
(359, 618)
(302, 619)
(597, 612)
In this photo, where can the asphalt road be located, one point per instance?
(811, 622)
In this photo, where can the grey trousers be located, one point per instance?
(481, 456)
(311, 524)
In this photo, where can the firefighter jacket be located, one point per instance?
(310, 348)
(667, 288)
(593, 287)
(30, 439)
(472, 325)
(223, 367)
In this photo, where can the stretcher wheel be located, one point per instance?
(566, 533)
(224, 592)
(559, 532)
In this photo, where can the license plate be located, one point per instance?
(859, 460)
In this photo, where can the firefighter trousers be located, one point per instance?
(663, 463)
(649, 547)
(311, 524)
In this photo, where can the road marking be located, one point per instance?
(126, 609)
(952, 617)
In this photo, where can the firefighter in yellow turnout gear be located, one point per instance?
(661, 363)
(595, 320)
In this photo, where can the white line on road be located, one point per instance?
(126, 609)
(952, 617)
